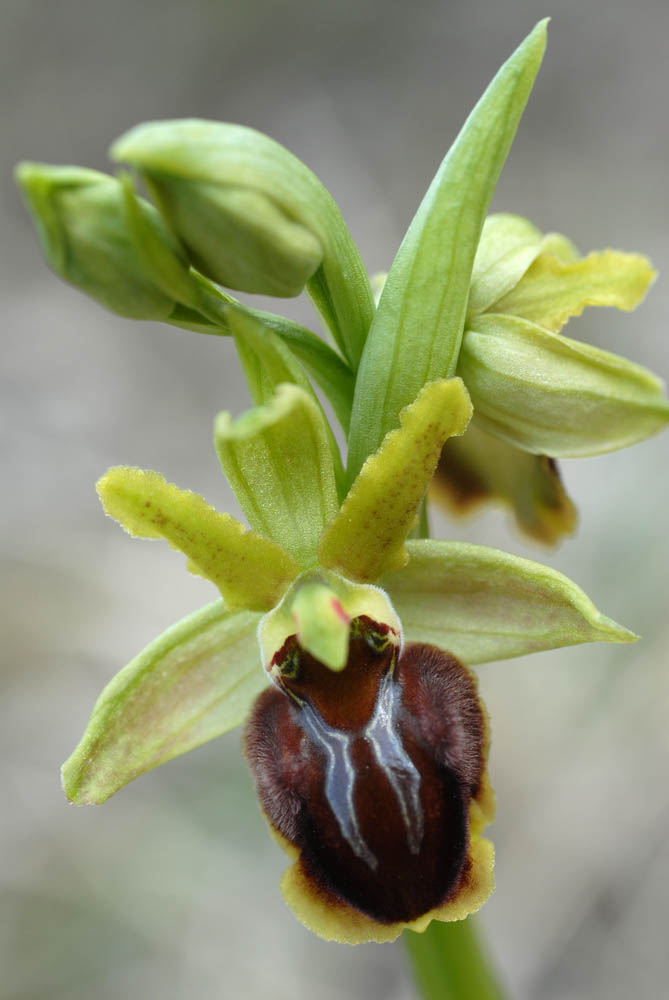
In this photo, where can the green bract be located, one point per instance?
(417, 329)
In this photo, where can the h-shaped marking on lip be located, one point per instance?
(392, 758)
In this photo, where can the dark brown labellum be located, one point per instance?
(370, 772)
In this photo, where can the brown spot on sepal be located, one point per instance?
(378, 871)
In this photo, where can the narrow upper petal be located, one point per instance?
(250, 571)
(366, 537)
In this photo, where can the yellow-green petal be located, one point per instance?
(481, 604)
(277, 460)
(552, 290)
(366, 537)
(508, 245)
(417, 329)
(478, 467)
(250, 571)
(554, 396)
(193, 683)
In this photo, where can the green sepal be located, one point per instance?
(318, 608)
(554, 396)
(170, 273)
(254, 217)
(82, 222)
(251, 572)
(481, 604)
(278, 462)
(366, 537)
(268, 362)
(553, 290)
(508, 245)
(478, 467)
(193, 683)
(416, 333)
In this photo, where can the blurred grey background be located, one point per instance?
(171, 889)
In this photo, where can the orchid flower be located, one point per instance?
(340, 643)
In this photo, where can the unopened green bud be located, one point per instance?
(82, 220)
(245, 208)
(553, 396)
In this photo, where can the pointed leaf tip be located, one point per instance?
(416, 333)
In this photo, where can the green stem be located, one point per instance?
(449, 963)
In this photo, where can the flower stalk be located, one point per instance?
(449, 962)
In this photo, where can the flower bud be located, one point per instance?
(245, 208)
(82, 220)
(553, 396)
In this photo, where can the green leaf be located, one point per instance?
(416, 333)
(366, 538)
(250, 572)
(268, 362)
(478, 467)
(554, 396)
(553, 290)
(254, 217)
(481, 604)
(277, 460)
(195, 682)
